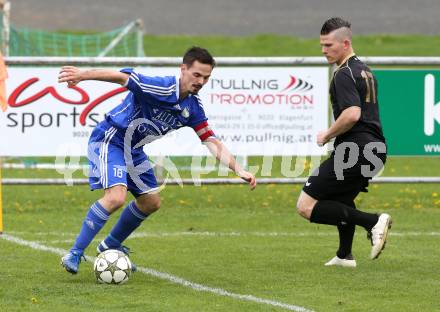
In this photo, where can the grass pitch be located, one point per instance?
(225, 237)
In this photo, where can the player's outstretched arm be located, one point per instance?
(73, 75)
(219, 150)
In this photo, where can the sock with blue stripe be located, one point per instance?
(130, 219)
(93, 223)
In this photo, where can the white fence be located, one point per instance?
(221, 61)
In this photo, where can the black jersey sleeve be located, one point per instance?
(347, 94)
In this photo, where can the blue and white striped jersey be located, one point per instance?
(153, 108)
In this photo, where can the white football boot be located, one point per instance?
(378, 235)
(348, 263)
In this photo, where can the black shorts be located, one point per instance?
(343, 185)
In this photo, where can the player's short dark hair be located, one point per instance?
(198, 54)
(334, 23)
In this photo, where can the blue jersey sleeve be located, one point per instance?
(151, 88)
(199, 122)
(197, 113)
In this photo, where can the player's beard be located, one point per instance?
(195, 90)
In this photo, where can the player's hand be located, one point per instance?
(248, 177)
(69, 74)
(322, 138)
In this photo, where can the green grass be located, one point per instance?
(256, 45)
(277, 45)
(287, 267)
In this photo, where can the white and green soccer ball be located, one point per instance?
(112, 267)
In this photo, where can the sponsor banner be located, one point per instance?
(253, 110)
(409, 102)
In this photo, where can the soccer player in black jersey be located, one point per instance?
(360, 150)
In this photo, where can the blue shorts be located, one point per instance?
(109, 166)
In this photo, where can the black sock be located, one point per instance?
(346, 234)
(336, 213)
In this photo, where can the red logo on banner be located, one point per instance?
(298, 84)
(15, 101)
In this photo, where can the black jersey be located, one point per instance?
(353, 84)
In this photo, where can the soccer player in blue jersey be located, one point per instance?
(153, 107)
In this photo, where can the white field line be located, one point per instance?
(165, 276)
(215, 234)
(209, 234)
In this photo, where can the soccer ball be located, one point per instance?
(112, 267)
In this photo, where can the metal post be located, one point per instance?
(140, 38)
(117, 39)
(1, 199)
(5, 6)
